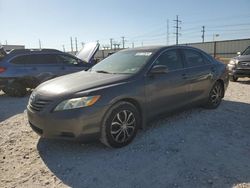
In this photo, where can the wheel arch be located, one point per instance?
(138, 106)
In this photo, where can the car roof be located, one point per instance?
(32, 51)
(159, 48)
(18, 52)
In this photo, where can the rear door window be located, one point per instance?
(21, 60)
(171, 59)
(194, 58)
(35, 59)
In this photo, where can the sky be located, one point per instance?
(142, 22)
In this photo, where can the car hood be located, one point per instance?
(88, 51)
(243, 58)
(78, 82)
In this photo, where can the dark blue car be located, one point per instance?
(22, 69)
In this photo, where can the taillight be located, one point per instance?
(2, 69)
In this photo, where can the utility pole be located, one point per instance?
(71, 44)
(203, 33)
(76, 44)
(82, 44)
(6, 42)
(63, 48)
(167, 32)
(40, 45)
(133, 44)
(177, 29)
(123, 42)
(142, 43)
(111, 43)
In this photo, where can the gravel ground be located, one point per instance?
(194, 148)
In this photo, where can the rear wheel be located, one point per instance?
(15, 89)
(215, 96)
(233, 78)
(120, 125)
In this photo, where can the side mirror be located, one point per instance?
(159, 69)
(238, 53)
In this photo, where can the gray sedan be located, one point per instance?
(117, 96)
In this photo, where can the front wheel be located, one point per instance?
(120, 125)
(233, 78)
(215, 96)
(15, 89)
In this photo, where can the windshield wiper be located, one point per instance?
(102, 71)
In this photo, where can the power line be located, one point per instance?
(245, 16)
(177, 21)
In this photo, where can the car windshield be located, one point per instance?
(246, 52)
(123, 62)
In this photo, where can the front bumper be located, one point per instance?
(240, 72)
(77, 124)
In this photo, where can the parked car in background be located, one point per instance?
(27, 68)
(117, 96)
(240, 66)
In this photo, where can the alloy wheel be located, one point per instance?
(123, 126)
(216, 94)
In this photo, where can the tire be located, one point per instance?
(233, 78)
(15, 89)
(215, 96)
(120, 125)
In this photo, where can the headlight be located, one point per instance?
(233, 62)
(77, 103)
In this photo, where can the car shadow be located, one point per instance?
(194, 148)
(245, 81)
(10, 106)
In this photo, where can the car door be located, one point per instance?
(167, 91)
(71, 64)
(45, 66)
(24, 66)
(200, 74)
(36, 67)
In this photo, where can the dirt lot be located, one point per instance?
(195, 148)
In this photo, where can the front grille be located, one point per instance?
(244, 64)
(38, 104)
